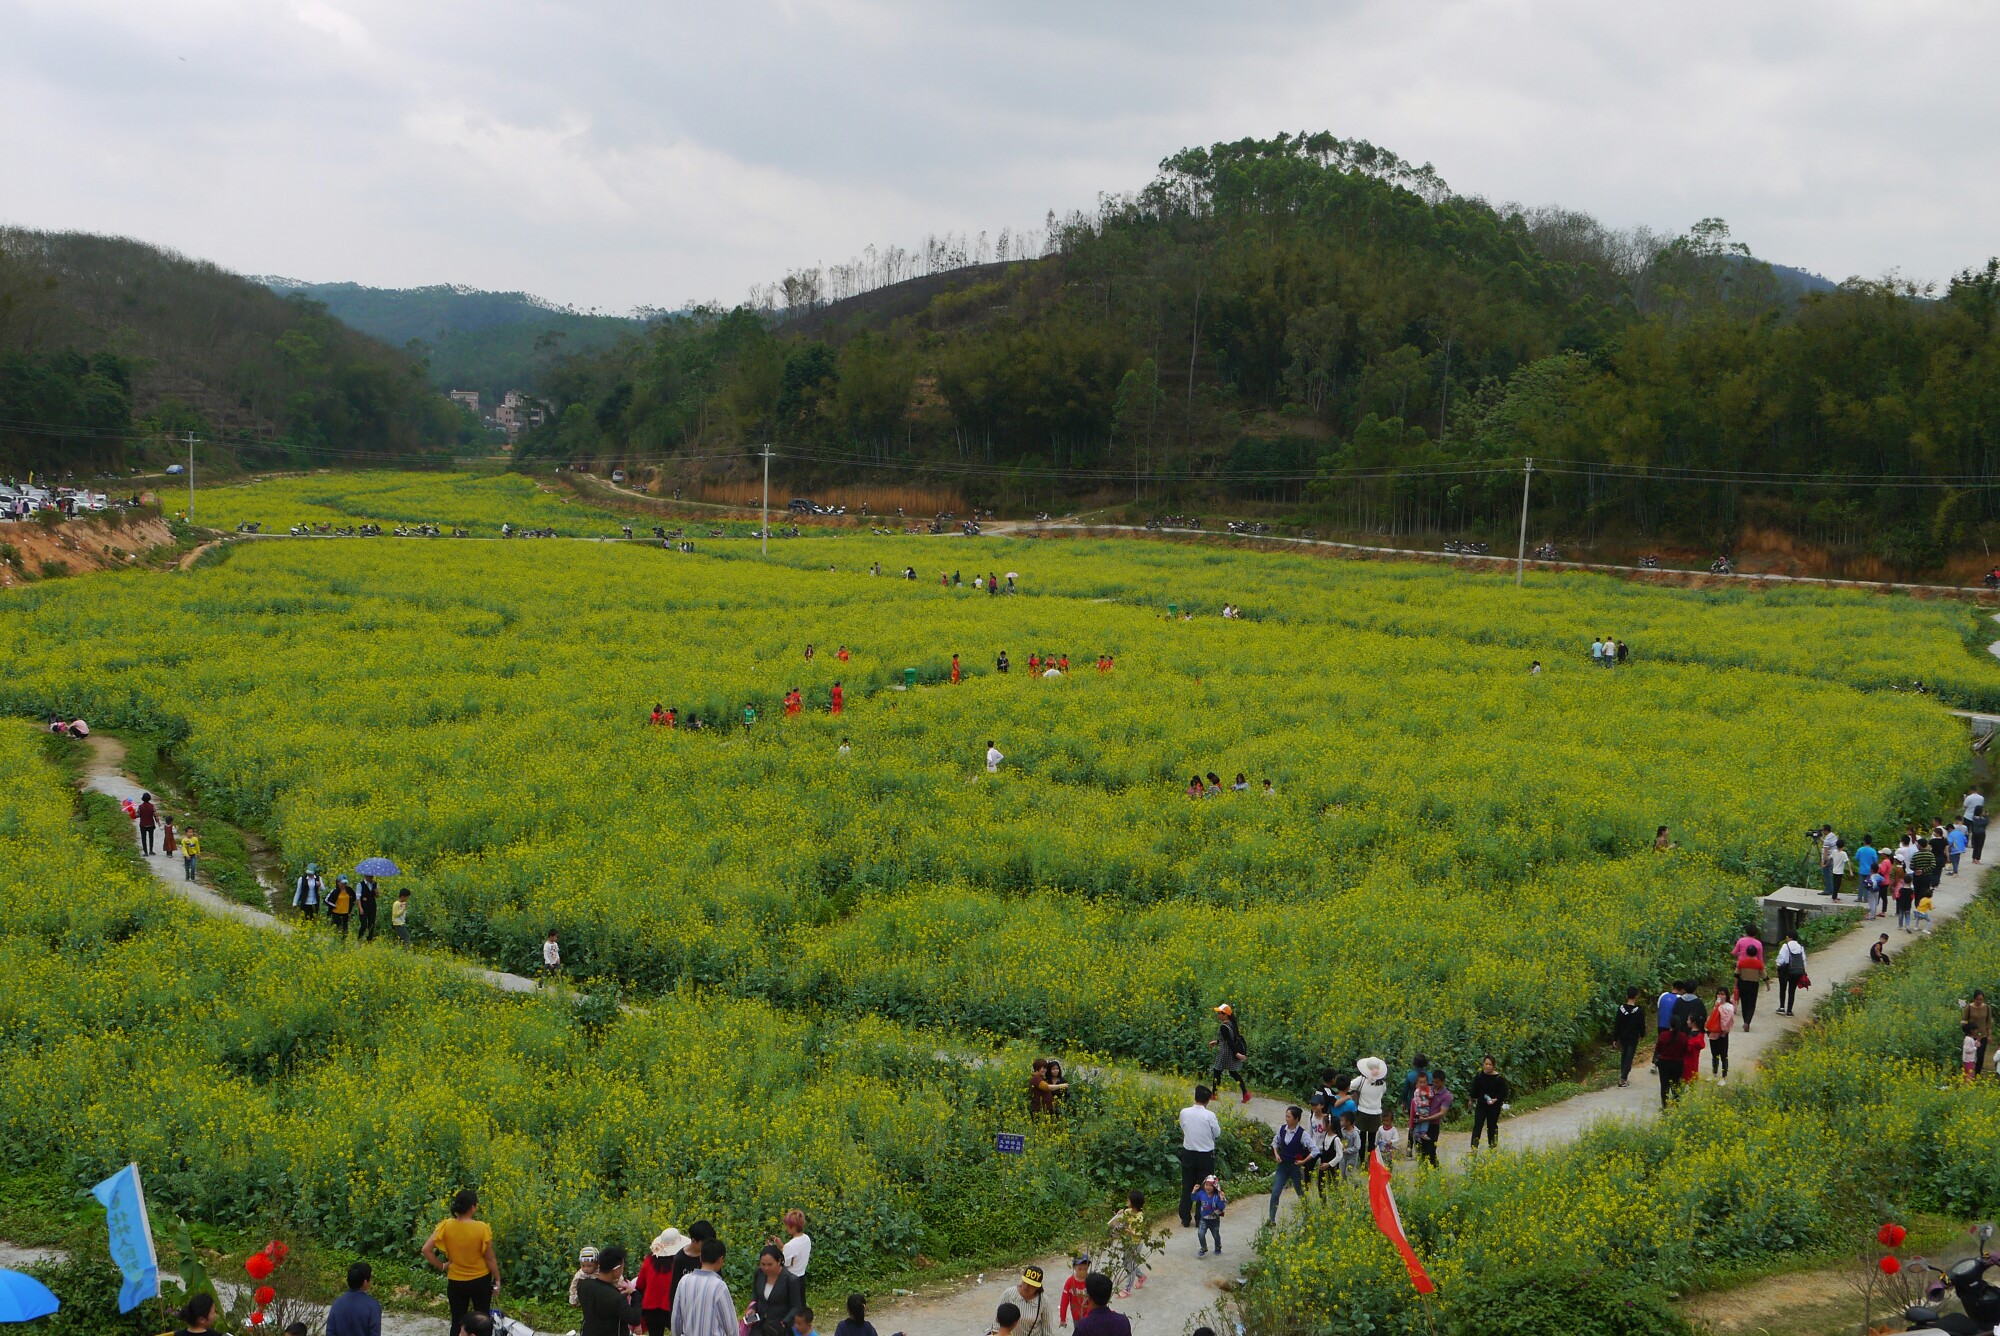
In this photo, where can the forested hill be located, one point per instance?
(472, 339)
(1290, 319)
(107, 345)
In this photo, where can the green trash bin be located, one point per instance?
(909, 678)
(1173, 610)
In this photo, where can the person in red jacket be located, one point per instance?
(839, 700)
(842, 654)
(1034, 665)
(655, 1287)
(793, 701)
(954, 670)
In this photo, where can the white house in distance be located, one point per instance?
(516, 413)
(470, 398)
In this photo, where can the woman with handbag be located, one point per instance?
(1791, 969)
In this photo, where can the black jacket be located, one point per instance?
(606, 1312)
(776, 1302)
(1631, 1022)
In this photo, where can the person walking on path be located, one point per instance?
(1956, 842)
(774, 1296)
(606, 1299)
(1979, 1016)
(839, 700)
(1200, 1130)
(190, 854)
(1721, 1020)
(367, 900)
(1368, 1089)
(1749, 980)
(1791, 969)
(1627, 1028)
(308, 891)
(551, 955)
(357, 1312)
(1291, 1147)
(462, 1248)
(1209, 1207)
(1489, 1097)
(169, 843)
(399, 917)
(340, 905)
(149, 817)
(702, 1306)
(1669, 1057)
(1975, 831)
(1230, 1050)
(1974, 803)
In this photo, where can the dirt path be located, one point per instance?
(105, 773)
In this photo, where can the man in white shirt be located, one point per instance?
(1199, 1130)
(993, 758)
(1973, 802)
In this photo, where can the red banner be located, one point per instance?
(1387, 1219)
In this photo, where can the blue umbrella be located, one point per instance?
(377, 867)
(23, 1298)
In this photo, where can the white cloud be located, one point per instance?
(612, 154)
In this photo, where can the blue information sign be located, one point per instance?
(1010, 1143)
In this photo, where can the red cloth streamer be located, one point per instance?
(1387, 1219)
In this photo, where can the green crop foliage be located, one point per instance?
(263, 1079)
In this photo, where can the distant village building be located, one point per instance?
(470, 398)
(517, 412)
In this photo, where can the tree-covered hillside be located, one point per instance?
(107, 345)
(1316, 322)
(491, 342)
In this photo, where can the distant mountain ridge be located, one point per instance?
(474, 339)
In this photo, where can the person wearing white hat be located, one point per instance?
(1368, 1089)
(655, 1283)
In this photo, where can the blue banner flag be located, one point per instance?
(131, 1236)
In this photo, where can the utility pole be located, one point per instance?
(190, 477)
(767, 500)
(1521, 553)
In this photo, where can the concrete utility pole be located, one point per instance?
(767, 501)
(190, 477)
(1521, 553)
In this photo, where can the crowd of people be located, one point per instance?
(159, 838)
(678, 1287)
(1606, 653)
(1211, 786)
(1907, 876)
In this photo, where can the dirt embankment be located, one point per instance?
(31, 551)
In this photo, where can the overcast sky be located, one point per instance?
(611, 155)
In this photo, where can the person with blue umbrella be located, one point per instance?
(369, 895)
(23, 1298)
